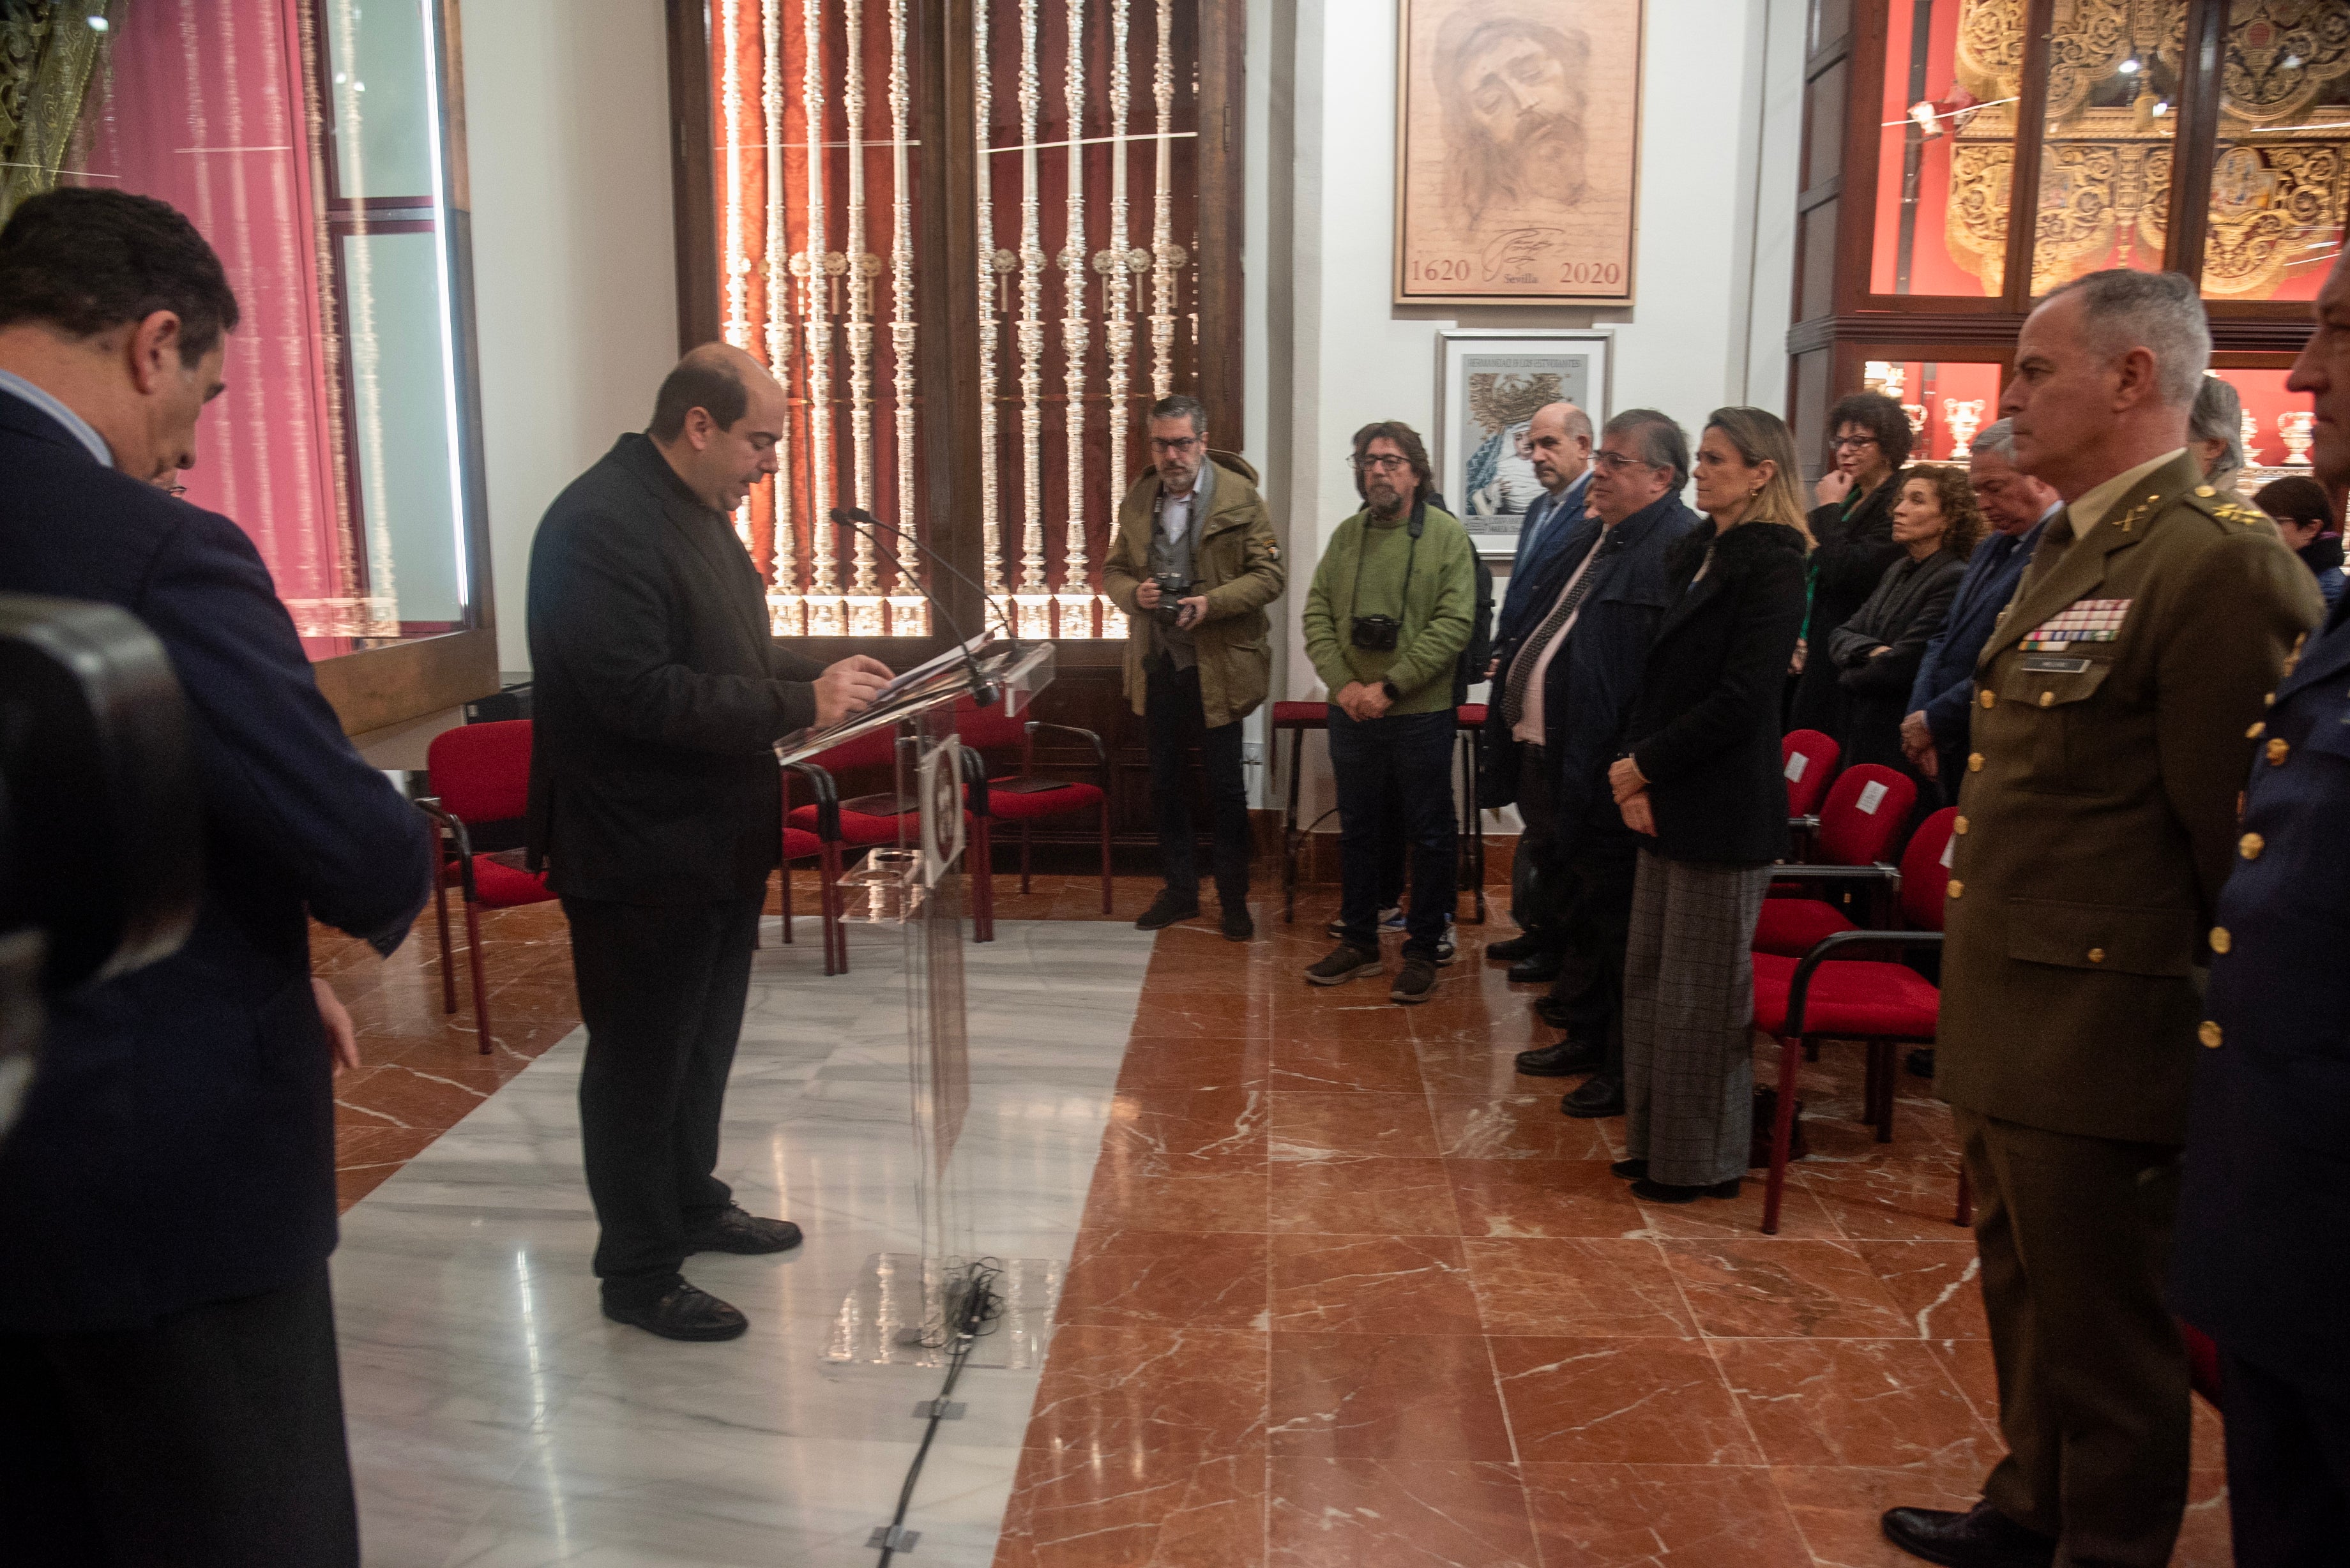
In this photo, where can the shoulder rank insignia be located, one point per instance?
(2235, 513)
(2087, 620)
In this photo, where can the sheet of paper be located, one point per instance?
(1872, 796)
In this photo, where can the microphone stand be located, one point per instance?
(859, 515)
(982, 690)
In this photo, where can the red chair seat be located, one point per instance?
(1470, 716)
(857, 829)
(1301, 715)
(1031, 805)
(801, 845)
(1848, 997)
(1792, 926)
(499, 885)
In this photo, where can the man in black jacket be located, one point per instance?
(168, 1390)
(656, 804)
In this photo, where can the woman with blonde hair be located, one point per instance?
(1699, 780)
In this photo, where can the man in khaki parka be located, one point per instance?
(1197, 664)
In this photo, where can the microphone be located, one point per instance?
(982, 690)
(859, 513)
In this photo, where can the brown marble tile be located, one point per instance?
(1368, 1067)
(1159, 1130)
(1384, 1396)
(1137, 1508)
(1305, 1126)
(1202, 1016)
(1776, 1287)
(1237, 1063)
(1936, 1286)
(2203, 1540)
(1542, 1198)
(1504, 1023)
(1357, 1012)
(1837, 1507)
(1600, 1287)
(1230, 1199)
(1968, 1363)
(1641, 1516)
(1526, 1126)
(2211, 1452)
(1852, 1402)
(1729, 1218)
(1469, 1067)
(1169, 1390)
(1372, 1284)
(1365, 1197)
(1121, 1279)
(1352, 1514)
(1619, 1401)
(1893, 1199)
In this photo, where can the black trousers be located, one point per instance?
(2288, 1469)
(1407, 757)
(1594, 893)
(661, 989)
(212, 1440)
(1541, 906)
(1174, 721)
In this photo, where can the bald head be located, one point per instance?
(718, 418)
(1558, 439)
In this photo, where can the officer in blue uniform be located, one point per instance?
(2263, 1256)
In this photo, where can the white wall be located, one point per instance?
(575, 275)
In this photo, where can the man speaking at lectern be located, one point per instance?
(656, 806)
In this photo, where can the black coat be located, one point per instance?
(1908, 607)
(1849, 560)
(1587, 690)
(658, 693)
(1705, 730)
(178, 1144)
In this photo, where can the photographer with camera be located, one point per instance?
(169, 1388)
(1193, 567)
(1390, 612)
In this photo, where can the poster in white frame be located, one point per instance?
(1489, 382)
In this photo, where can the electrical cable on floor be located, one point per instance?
(973, 1308)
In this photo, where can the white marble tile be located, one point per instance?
(498, 1420)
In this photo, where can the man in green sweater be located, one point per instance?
(1386, 622)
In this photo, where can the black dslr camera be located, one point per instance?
(1172, 588)
(1376, 633)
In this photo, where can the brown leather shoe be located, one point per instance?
(1982, 1537)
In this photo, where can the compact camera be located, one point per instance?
(1376, 633)
(1171, 588)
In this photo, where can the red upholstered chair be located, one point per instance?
(1808, 759)
(1294, 719)
(827, 826)
(1820, 995)
(1020, 798)
(1468, 719)
(1863, 817)
(478, 773)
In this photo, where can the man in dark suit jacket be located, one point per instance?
(2261, 1261)
(168, 1384)
(1560, 435)
(657, 806)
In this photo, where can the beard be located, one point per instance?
(1387, 500)
(1545, 161)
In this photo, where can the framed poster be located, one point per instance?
(1517, 150)
(1489, 384)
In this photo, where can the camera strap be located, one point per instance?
(1410, 558)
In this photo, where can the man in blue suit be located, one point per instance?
(1559, 436)
(168, 1390)
(2261, 1256)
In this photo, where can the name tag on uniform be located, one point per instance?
(2089, 620)
(2052, 664)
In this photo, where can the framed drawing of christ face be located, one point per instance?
(1517, 150)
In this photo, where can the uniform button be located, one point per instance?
(2205, 491)
(2276, 749)
(1987, 699)
(2097, 955)
(1960, 825)
(2047, 699)
(2220, 940)
(1974, 762)
(1955, 888)
(2256, 732)
(2269, 700)
(2250, 844)
(2208, 1034)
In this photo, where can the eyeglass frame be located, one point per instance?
(1381, 463)
(1615, 462)
(1838, 443)
(1164, 447)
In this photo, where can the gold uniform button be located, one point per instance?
(2208, 1034)
(2220, 940)
(2256, 732)
(1959, 826)
(2097, 955)
(2047, 699)
(2250, 844)
(1987, 699)
(1974, 762)
(1955, 888)
(2269, 700)
(2205, 491)
(2276, 751)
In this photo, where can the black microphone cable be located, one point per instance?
(982, 690)
(861, 515)
(973, 1309)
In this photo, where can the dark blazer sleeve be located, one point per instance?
(1769, 611)
(1890, 674)
(601, 608)
(790, 664)
(283, 784)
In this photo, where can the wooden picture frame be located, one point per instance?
(1517, 150)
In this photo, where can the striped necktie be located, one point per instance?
(1529, 654)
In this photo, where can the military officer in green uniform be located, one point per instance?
(2096, 825)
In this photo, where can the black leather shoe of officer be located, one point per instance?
(1525, 945)
(1167, 908)
(1538, 969)
(1598, 1095)
(1553, 1011)
(1564, 1060)
(1665, 1192)
(684, 1313)
(1980, 1538)
(736, 1230)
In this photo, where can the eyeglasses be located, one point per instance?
(1180, 444)
(1616, 462)
(1840, 442)
(175, 490)
(1384, 463)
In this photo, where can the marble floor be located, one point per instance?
(1343, 1289)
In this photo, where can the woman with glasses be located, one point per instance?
(1853, 530)
(1699, 781)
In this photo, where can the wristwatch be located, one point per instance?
(1389, 688)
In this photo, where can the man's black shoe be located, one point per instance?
(1524, 946)
(1167, 908)
(1980, 1538)
(1539, 968)
(1598, 1095)
(1629, 1170)
(735, 1231)
(1920, 1061)
(684, 1313)
(1664, 1192)
(1553, 1011)
(1238, 925)
(1563, 1060)
(1417, 981)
